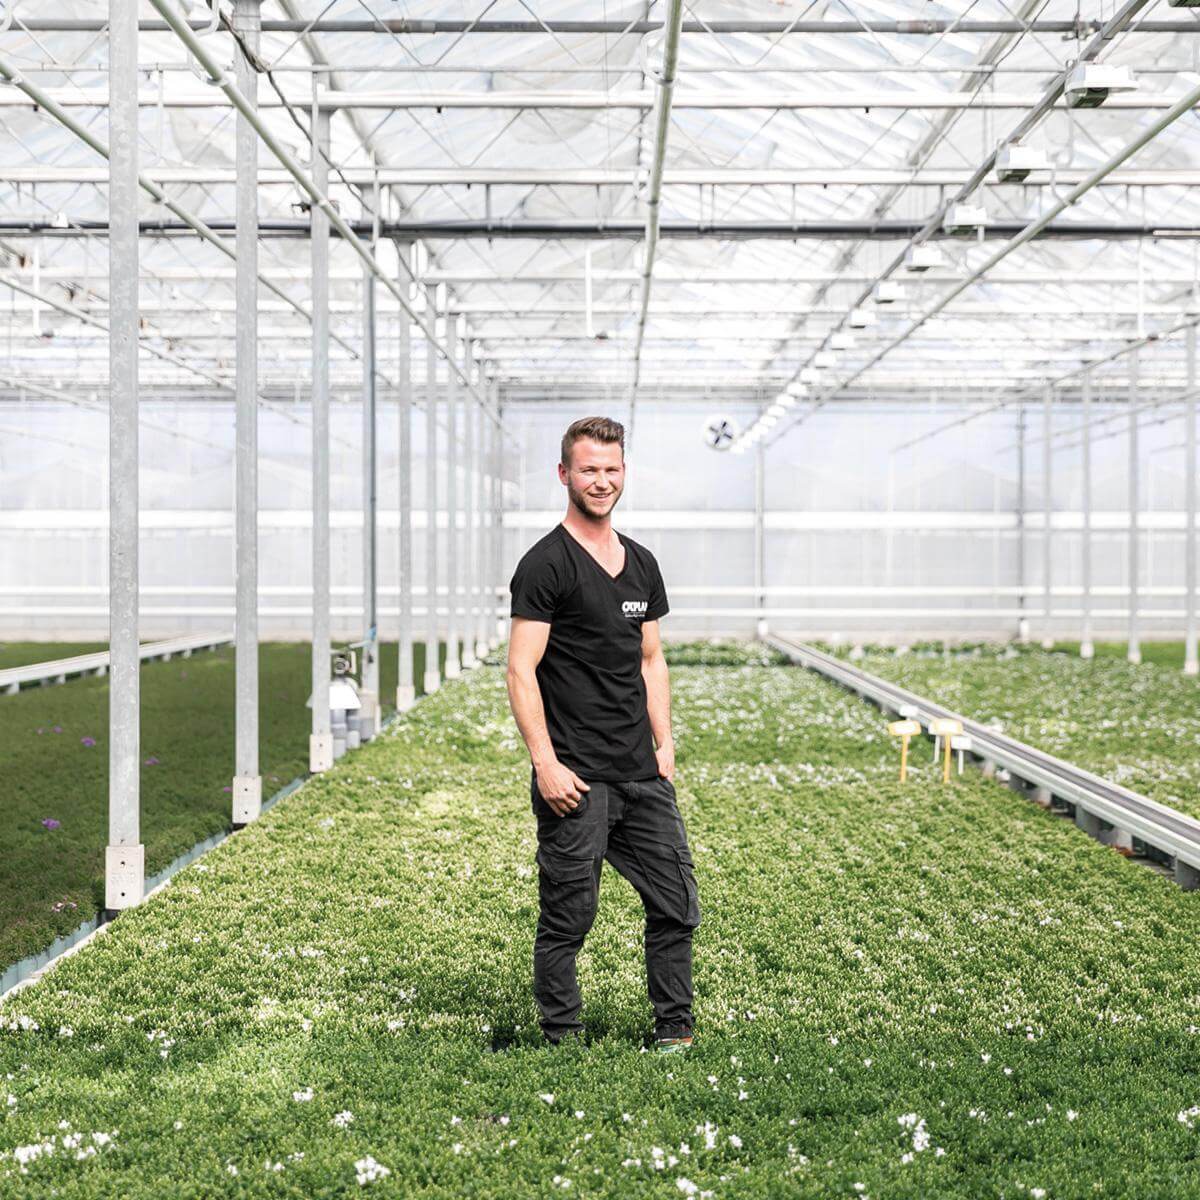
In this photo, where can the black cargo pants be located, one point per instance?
(637, 827)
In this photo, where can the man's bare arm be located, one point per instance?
(559, 785)
(658, 698)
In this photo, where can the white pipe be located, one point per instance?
(666, 87)
(1134, 653)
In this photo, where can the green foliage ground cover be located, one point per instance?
(917, 991)
(54, 747)
(1136, 725)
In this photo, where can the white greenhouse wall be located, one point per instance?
(858, 533)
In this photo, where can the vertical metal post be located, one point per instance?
(470, 540)
(406, 692)
(499, 625)
(1022, 530)
(1047, 519)
(1134, 653)
(453, 659)
(483, 423)
(486, 555)
(1191, 664)
(124, 856)
(320, 742)
(433, 678)
(368, 713)
(1086, 647)
(760, 600)
(247, 779)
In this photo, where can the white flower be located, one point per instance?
(1071, 1114)
(735, 1141)
(686, 1186)
(370, 1171)
(342, 1119)
(303, 1097)
(548, 1097)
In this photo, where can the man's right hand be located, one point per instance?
(560, 787)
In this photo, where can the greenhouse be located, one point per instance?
(599, 600)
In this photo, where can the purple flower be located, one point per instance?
(88, 741)
(50, 823)
(227, 788)
(152, 761)
(58, 729)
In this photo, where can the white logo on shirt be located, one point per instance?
(633, 608)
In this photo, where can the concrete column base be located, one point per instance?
(124, 876)
(469, 661)
(482, 649)
(368, 715)
(247, 798)
(1135, 657)
(1087, 650)
(760, 628)
(1187, 876)
(406, 697)
(988, 768)
(320, 752)
(1088, 822)
(433, 681)
(1044, 797)
(1023, 630)
(453, 666)
(1047, 643)
(1191, 667)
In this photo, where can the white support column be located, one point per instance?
(369, 712)
(500, 626)
(124, 856)
(433, 676)
(1086, 647)
(1047, 519)
(760, 483)
(247, 777)
(320, 742)
(406, 692)
(1191, 664)
(481, 540)
(1022, 530)
(470, 539)
(453, 654)
(1134, 653)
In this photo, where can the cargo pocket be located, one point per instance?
(566, 890)
(687, 876)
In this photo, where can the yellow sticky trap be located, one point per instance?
(945, 728)
(904, 730)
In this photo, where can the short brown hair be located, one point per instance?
(599, 429)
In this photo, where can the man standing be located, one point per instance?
(589, 689)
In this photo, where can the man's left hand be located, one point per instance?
(665, 755)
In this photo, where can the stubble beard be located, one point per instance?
(583, 504)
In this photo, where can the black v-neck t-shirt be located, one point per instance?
(590, 676)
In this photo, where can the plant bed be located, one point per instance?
(1138, 726)
(54, 743)
(916, 991)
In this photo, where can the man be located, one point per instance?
(589, 689)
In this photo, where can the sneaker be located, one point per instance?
(673, 1045)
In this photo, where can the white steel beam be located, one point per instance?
(247, 777)
(124, 858)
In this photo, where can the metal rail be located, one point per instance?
(1102, 809)
(58, 670)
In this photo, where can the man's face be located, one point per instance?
(595, 479)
